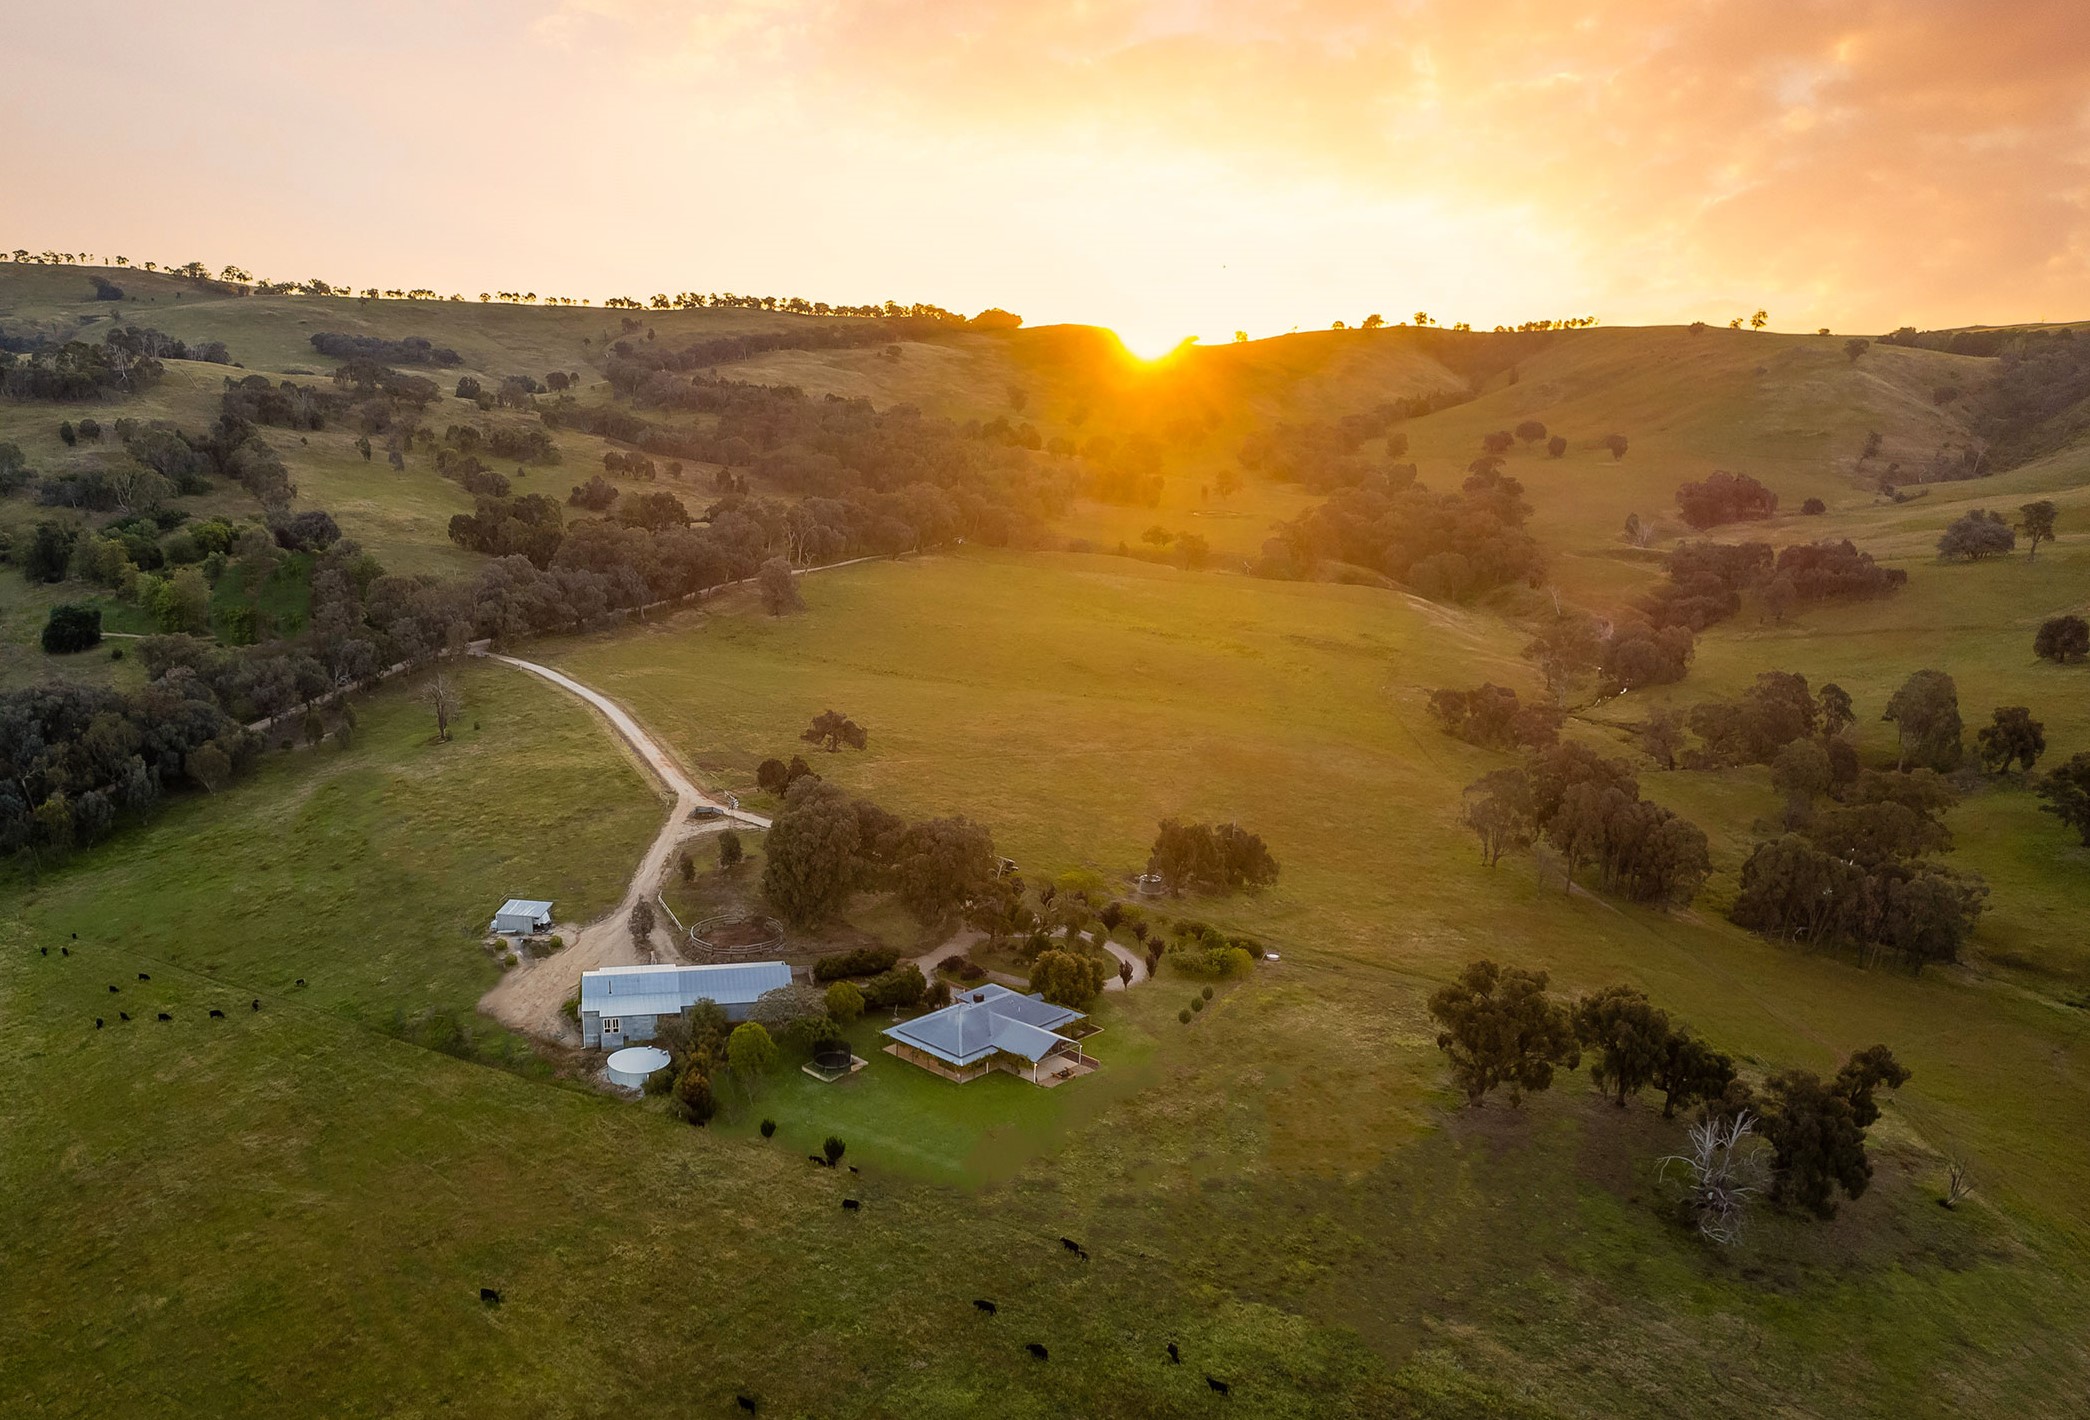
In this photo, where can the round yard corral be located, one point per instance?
(630, 1066)
(736, 936)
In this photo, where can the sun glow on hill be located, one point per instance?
(1150, 343)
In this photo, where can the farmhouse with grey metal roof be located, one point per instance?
(992, 1028)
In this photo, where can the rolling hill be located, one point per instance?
(297, 1211)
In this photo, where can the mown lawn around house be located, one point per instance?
(901, 1118)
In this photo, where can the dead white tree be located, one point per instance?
(1957, 1183)
(1724, 1170)
(441, 696)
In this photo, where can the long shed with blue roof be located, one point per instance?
(620, 1004)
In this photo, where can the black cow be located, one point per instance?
(143, 977)
(1221, 1386)
(301, 981)
(489, 1296)
(1175, 1357)
(257, 1003)
(745, 1402)
(43, 951)
(112, 990)
(216, 1014)
(982, 1304)
(165, 1017)
(1082, 1253)
(123, 1015)
(1070, 1245)
(97, 1022)
(854, 1169)
(65, 951)
(1039, 1351)
(816, 1159)
(851, 1204)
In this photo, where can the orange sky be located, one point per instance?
(1165, 166)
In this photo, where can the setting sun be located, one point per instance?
(1150, 344)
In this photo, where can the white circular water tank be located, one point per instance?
(631, 1066)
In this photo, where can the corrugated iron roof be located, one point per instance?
(986, 1020)
(529, 905)
(669, 990)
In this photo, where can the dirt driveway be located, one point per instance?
(530, 996)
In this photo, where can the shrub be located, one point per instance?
(844, 1002)
(774, 776)
(752, 1051)
(693, 1090)
(1067, 979)
(1204, 951)
(802, 1037)
(1977, 534)
(834, 1148)
(72, 628)
(863, 961)
(1197, 1003)
(1184, 1015)
(768, 1128)
(1208, 993)
(902, 986)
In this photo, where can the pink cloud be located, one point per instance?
(1201, 163)
(1920, 158)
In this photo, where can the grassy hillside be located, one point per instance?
(293, 1211)
(1282, 1188)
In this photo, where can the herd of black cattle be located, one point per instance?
(122, 1016)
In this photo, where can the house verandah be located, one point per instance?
(1063, 1062)
(994, 1028)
